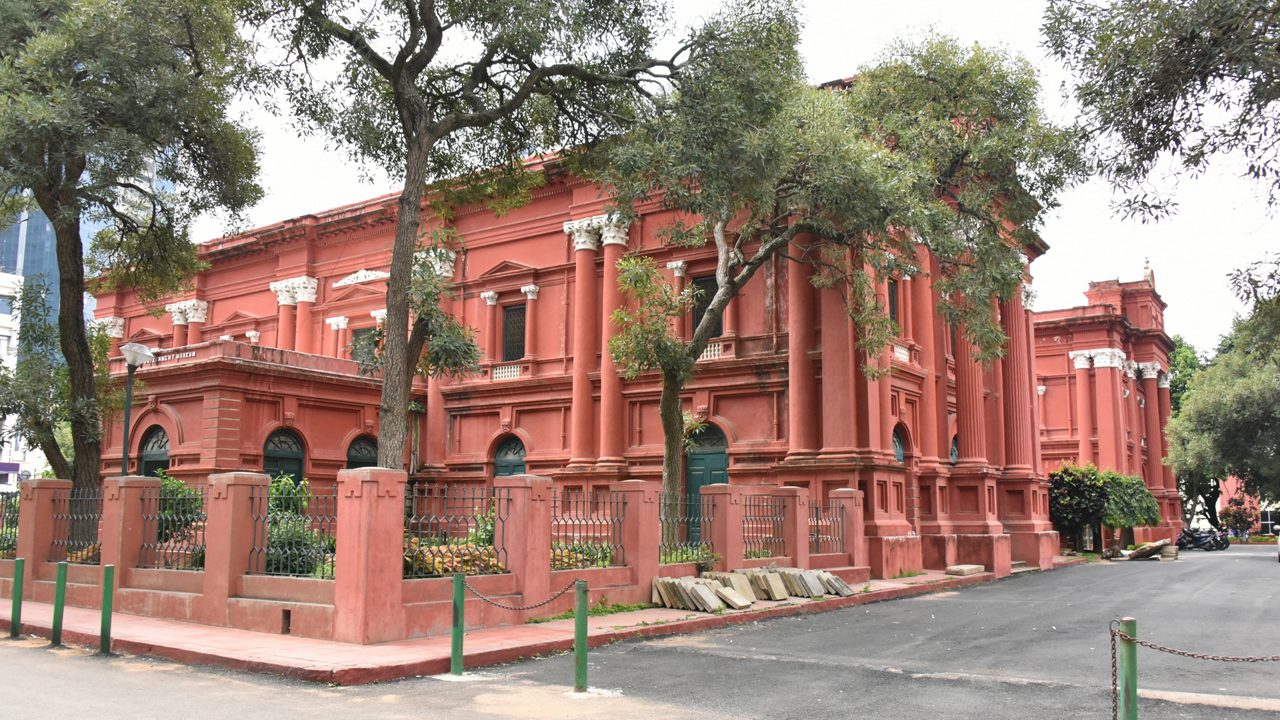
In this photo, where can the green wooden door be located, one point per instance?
(706, 463)
(508, 459)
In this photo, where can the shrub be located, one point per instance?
(288, 496)
(293, 548)
(1238, 517)
(180, 507)
(1129, 503)
(1081, 497)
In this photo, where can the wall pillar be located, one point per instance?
(1019, 426)
(229, 532)
(123, 499)
(493, 335)
(305, 293)
(528, 526)
(677, 268)
(35, 524)
(924, 323)
(286, 324)
(437, 419)
(838, 419)
(582, 411)
(795, 526)
(1170, 482)
(1084, 405)
(368, 570)
(612, 427)
(530, 325)
(197, 316)
(1107, 365)
(1132, 420)
(641, 531)
(726, 524)
(855, 536)
(1154, 476)
(333, 342)
(969, 403)
(178, 314)
(802, 384)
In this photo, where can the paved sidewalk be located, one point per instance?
(346, 664)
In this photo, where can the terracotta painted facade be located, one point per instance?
(1103, 382)
(949, 454)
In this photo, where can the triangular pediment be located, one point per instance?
(506, 267)
(352, 292)
(144, 335)
(238, 316)
(362, 276)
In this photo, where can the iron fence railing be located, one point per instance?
(9, 524)
(294, 530)
(173, 522)
(763, 517)
(77, 519)
(586, 530)
(826, 529)
(455, 528)
(686, 529)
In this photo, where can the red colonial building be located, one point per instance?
(1104, 389)
(950, 455)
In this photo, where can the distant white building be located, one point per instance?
(15, 456)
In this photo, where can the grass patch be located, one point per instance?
(907, 574)
(604, 607)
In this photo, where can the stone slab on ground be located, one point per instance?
(733, 598)
(965, 570)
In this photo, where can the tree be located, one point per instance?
(1082, 497)
(1184, 363)
(1230, 418)
(937, 145)
(462, 91)
(1178, 79)
(1239, 517)
(96, 95)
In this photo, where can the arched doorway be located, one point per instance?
(508, 459)
(899, 446)
(363, 452)
(284, 454)
(153, 453)
(706, 463)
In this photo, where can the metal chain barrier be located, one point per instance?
(519, 608)
(1186, 653)
(1115, 710)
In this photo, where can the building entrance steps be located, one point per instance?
(350, 664)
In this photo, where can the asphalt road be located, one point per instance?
(1030, 646)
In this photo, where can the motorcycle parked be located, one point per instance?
(1199, 539)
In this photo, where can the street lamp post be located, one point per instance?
(134, 355)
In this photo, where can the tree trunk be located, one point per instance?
(397, 366)
(672, 433)
(86, 422)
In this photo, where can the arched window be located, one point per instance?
(154, 451)
(283, 454)
(508, 459)
(362, 453)
(899, 446)
(955, 449)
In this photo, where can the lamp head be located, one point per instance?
(136, 354)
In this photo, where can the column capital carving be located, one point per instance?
(337, 323)
(1081, 358)
(1108, 358)
(113, 326)
(253, 336)
(1131, 369)
(1041, 389)
(490, 297)
(677, 267)
(530, 291)
(586, 233)
(197, 311)
(379, 315)
(1163, 381)
(1150, 370)
(177, 312)
(440, 260)
(614, 232)
(295, 290)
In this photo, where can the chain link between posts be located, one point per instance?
(1118, 633)
(519, 608)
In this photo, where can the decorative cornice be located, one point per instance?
(677, 267)
(490, 297)
(530, 291)
(362, 276)
(336, 323)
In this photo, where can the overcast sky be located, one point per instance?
(1222, 222)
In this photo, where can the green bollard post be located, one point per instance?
(59, 601)
(1128, 661)
(459, 624)
(15, 615)
(108, 595)
(580, 636)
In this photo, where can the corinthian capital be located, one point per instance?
(1150, 370)
(1081, 358)
(1108, 358)
(614, 232)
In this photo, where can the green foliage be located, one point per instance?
(287, 495)
(578, 555)
(1160, 79)
(9, 508)
(1229, 422)
(702, 555)
(1184, 363)
(293, 548)
(181, 507)
(1081, 497)
(1239, 517)
(1129, 503)
(600, 609)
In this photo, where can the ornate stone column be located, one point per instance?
(197, 316)
(305, 294)
(1154, 476)
(1019, 419)
(677, 268)
(1133, 463)
(1084, 404)
(337, 328)
(494, 339)
(612, 426)
(1107, 365)
(803, 402)
(585, 238)
(178, 313)
(838, 419)
(1162, 385)
(530, 322)
(286, 325)
(969, 404)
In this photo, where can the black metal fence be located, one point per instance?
(77, 519)
(294, 530)
(826, 529)
(763, 518)
(173, 522)
(586, 530)
(9, 524)
(686, 529)
(455, 528)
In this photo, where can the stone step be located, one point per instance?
(963, 570)
(1018, 564)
